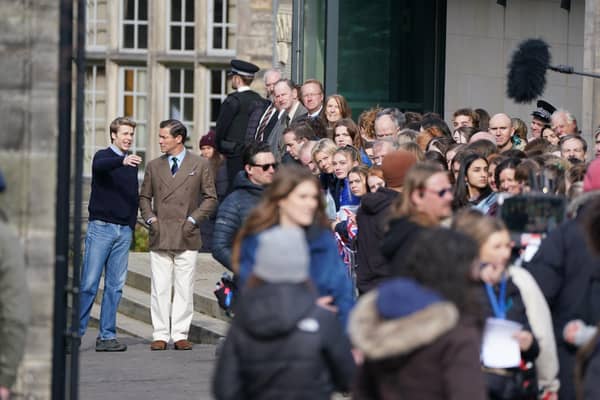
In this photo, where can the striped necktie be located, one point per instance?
(260, 133)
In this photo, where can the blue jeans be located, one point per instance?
(106, 248)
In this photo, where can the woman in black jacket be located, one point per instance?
(281, 344)
(218, 170)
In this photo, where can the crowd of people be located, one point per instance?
(369, 256)
(400, 237)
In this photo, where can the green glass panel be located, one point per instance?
(314, 40)
(386, 53)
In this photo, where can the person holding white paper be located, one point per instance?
(507, 377)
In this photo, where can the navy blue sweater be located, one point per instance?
(114, 197)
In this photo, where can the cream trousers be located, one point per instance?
(172, 270)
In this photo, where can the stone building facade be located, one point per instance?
(159, 59)
(28, 110)
(153, 60)
(150, 60)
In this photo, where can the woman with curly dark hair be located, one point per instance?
(366, 123)
(504, 175)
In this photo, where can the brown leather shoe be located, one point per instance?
(183, 345)
(158, 345)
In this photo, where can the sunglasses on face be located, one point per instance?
(440, 193)
(265, 167)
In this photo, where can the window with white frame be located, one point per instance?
(96, 134)
(97, 24)
(181, 96)
(133, 103)
(181, 25)
(134, 24)
(217, 94)
(221, 27)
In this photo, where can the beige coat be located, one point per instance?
(540, 320)
(172, 199)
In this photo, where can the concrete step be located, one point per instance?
(125, 324)
(135, 306)
(206, 329)
(203, 330)
(134, 303)
(208, 273)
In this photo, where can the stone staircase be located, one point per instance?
(209, 322)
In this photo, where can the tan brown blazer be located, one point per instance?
(171, 199)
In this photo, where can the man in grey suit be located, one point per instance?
(290, 111)
(177, 193)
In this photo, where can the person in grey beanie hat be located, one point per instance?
(282, 255)
(281, 343)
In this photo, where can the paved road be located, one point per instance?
(139, 374)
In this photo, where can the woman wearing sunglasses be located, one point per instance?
(426, 201)
(294, 199)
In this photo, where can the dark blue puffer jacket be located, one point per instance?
(327, 271)
(231, 215)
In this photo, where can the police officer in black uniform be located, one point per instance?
(541, 118)
(234, 114)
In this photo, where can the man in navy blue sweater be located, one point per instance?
(112, 216)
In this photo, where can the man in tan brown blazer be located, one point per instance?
(178, 192)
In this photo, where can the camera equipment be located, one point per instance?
(533, 212)
(226, 292)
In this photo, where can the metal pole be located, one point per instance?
(331, 46)
(61, 244)
(297, 41)
(567, 69)
(439, 56)
(79, 151)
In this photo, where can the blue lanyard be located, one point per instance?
(498, 304)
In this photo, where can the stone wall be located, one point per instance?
(591, 63)
(481, 37)
(254, 35)
(28, 111)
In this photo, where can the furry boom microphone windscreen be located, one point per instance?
(527, 70)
